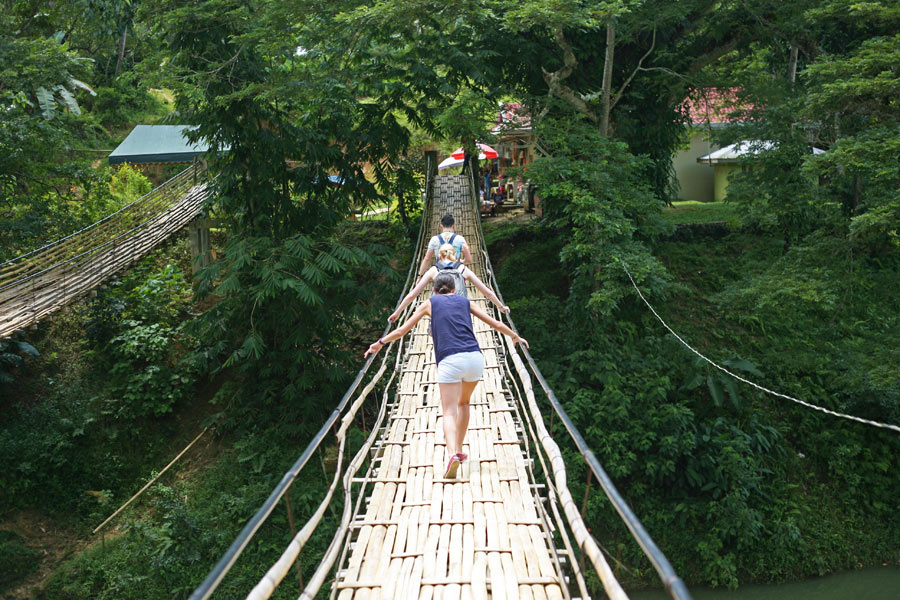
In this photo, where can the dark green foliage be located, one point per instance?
(594, 190)
(17, 560)
(528, 257)
(165, 555)
(12, 359)
(692, 212)
(732, 484)
(106, 380)
(775, 193)
(294, 284)
(121, 102)
(843, 102)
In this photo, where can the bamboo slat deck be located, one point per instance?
(505, 527)
(40, 283)
(478, 536)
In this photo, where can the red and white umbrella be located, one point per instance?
(484, 151)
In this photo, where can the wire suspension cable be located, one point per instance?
(195, 194)
(747, 381)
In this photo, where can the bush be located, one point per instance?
(118, 104)
(734, 486)
(17, 560)
(109, 373)
(127, 184)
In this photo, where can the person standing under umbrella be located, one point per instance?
(460, 363)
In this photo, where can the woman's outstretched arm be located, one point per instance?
(423, 281)
(374, 347)
(498, 325)
(488, 292)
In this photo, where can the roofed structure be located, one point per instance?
(149, 144)
(714, 107)
(739, 151)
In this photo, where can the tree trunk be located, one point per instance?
(555, 79)
(792, 63)
(607, 75)
(121, 52)
(401, 209)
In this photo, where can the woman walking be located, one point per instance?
(460, 363)
(447, 261)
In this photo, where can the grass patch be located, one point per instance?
(690, 211)
(17, 561)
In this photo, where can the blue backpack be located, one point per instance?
(450, 241)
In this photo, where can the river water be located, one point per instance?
(878, 583)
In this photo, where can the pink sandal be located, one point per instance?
(462, 456)
(452, 467)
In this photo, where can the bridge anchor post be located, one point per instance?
(201, 250)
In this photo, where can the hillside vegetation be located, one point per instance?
(795, 286)
(734, 484)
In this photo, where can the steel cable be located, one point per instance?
(751, 383)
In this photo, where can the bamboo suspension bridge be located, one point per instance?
(507, 527)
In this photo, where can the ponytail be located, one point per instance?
(444, 283)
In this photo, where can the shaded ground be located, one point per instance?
(52, 543)
(506, 216)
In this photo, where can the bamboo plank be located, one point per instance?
(448, 581)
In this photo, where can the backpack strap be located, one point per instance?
(452, 237)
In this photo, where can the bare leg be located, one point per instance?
(462, 412)
(450, 398)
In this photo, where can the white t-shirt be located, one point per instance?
(444, 238)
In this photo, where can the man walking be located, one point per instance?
(446, 236)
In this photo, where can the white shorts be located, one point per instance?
(462, 366)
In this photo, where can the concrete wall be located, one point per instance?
(696, 180)
(721, 179)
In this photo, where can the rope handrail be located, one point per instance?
(761, 388)
(331, 555)
(670, 579)
(168, 183)
(278, 571)
(576, 521)
(218, 572)
(530, 421)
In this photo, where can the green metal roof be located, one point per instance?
(157, 144)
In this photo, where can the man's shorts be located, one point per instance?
(462, 366)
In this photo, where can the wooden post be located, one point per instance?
(431, 161)
(476, 173)
(198, 232)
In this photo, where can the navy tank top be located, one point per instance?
(451, 326)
